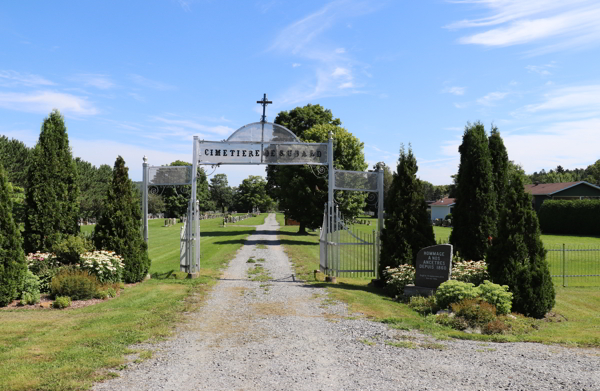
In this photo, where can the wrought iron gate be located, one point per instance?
(346, 251)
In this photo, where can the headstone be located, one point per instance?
(434, 265)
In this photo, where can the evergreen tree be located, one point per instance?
(517, 255)
(120, 228)
(407, 224)
(14, 155)
(500, 164)
(51, 191)
(474, 215)
(12, 259)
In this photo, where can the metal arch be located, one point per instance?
(231, 138)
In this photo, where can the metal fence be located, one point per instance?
(574, 265)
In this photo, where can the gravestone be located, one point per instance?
(433, 267)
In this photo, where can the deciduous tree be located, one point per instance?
(220, 192)
(252, 193)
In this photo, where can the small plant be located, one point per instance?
(496, 326)
(102, 295)
(453, 291)
(30, 289)
(474, 272)
(455, 322)
(111, 292)
(69, 249)
(475, 311)
(423, 305)
(498, 295)
(45, 266)
(397, 278)
(250, 260)
(62, 302)
(75, 283)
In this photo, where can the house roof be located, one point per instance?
(444, 202)
(552, 188)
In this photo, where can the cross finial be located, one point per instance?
(264, 102)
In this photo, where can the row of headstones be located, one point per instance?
(363, 222)
(171, 221)
(235, 219)
(441, 223)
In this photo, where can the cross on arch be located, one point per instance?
(264, 102)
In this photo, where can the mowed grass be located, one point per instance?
(70, 349)
(576, 319)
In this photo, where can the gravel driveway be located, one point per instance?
(283, 335)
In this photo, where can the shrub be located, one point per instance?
(423, 305)
(45, 266)
(62, 302)
(30, 289)
(474, 272)
(475, 311)
(69, 249)
(111, 292)
(448, 216)
(453, 291)
(570, 217)
(455, 322)
(105, 265)
(496, 326)
(102, 295)
(397, 278)
(498, 295)
(77, 284)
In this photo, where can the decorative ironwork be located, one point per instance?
(319, 171)
(372, 199)
(184, 190)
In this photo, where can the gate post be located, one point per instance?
(379, 217)
(193, 211)
(145, 181)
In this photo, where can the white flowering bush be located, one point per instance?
(397, 278)
(105, 265)
(474, 272)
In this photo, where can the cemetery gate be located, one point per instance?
(269, 143)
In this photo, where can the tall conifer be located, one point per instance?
(119, 228)
(407, 224)
(12, 259)
(517, 255)
(499, 159)
(474, 215)
(51, 192)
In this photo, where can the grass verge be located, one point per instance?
(70, 349)
(575, 320)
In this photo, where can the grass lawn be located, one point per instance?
(70, 349)
(577, 320)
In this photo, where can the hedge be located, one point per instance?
(570, 217)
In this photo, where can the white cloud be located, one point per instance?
(99, 81)
(296, 65)
(189, 124)
(461, 105)
(348, 84)
(454, 90)
(13, 78)
(136, 96)
(568, 102)
(491, 98)
(44, 101)
(340, 51)
(156, 85)
(515, 22)
(339, 72)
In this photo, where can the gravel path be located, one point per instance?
(283, 335)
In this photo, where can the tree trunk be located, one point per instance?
(302, 229)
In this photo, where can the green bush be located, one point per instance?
(454, 322)
(570, 217)
(30, 289)
(474, 272)
(496, 326)
(423, 305)
(62, 302)
(45, 266)
(77, 284)
(453, 291)
(111, 292)
(69, 249)
(448, 216)
(397, 278)
(102, 295)
(498, 295)
(475, 311)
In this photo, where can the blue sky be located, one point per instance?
(142, 78)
